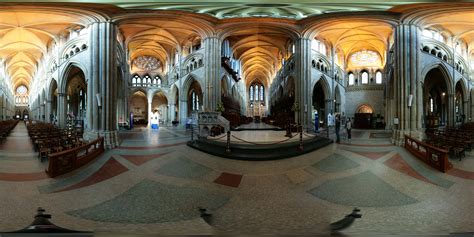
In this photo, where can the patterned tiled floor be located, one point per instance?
(154, 184)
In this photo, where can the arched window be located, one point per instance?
(318, 46)
(378, 77)
(431, 105)
(261, 93)
(351, 79)
(365, 78)
(256, 92)
(147, 80)
(158, 81)
(195, 99)
(134, 80)
(251, 93)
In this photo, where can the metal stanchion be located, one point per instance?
(228, 142)
(301, 137)
(192, 132)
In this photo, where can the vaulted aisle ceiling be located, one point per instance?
(350, 36)
(24, 37)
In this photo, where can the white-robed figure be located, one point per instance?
(330, 120)
(155, 118)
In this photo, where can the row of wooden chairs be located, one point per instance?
(6, 127)
(48, 139)
(456, 141)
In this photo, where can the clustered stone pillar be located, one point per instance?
(62, 110)
(212, 67)
(101, 84)
(303, 81)
(406, 83)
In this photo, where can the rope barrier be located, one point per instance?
(217, 138)
(255, 143)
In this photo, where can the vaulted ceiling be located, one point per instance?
(24, 37)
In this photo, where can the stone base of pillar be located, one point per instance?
(111, 138)
(398, 136)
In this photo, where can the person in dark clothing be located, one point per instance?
(338, 127)
(349, 128)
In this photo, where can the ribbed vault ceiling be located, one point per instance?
(156, 37)
(260, 53)
(24, 37)
(350, 36)
(457, 24)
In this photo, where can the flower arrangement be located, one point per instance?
(296, 106)
(220, 107)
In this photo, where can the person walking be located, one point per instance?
(338, 127)
(348, 128)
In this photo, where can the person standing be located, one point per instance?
(338, 127)
(348, 128)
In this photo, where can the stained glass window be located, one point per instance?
(251, 93)
(256, 93)
(365, 58)
(146, 63)
(261, 93)
(21, 90)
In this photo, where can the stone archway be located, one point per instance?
(138, 105)
(436, 99)
(319, 101)
(53, 98)
(159, 106)
(194, 98)
(75, 98)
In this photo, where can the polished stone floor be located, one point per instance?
(154, 184)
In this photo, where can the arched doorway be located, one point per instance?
(459, 96)
(435, 99)
(138, 106)
(159, 106)
(319, 103)
(76, 98)
(53, 93)
(194, 98)
(363, 117)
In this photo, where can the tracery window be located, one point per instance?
(261, 93)
(147, 63)
(365, 58)
(195, 101)
(147, 80)
(378, 77)
(136, 80)
(431, 105)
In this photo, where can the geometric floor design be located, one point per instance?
(335, 163)
(183, 168)
(153, 202)
(361, 190)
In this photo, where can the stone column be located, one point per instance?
(149, 112)
(450, 106)
(43, 111)
(62, 110)
(406, 78)
(172, 111)
(102, 83)
(303, 81)
(48, 111)
(212, 66)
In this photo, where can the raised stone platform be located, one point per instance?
(259, 151)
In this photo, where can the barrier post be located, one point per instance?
(228, 142)
(301, 137)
